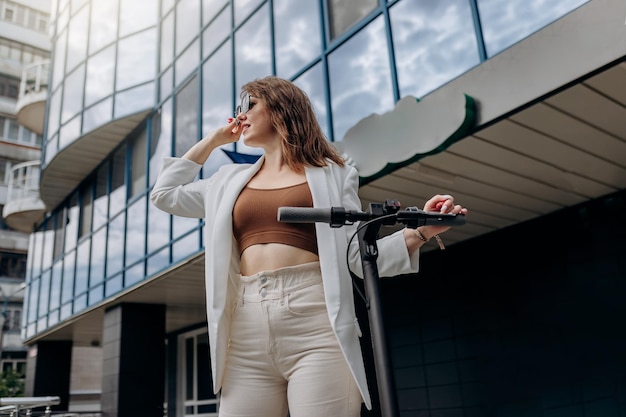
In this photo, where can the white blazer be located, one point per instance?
(213, 199)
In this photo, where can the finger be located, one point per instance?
(446, 204)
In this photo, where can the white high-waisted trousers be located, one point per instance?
(283, 355)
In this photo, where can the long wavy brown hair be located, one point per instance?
(291, 114)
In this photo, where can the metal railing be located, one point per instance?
(24, 180)
(24, 406)
(34, 77)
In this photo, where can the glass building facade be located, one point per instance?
(184, 62)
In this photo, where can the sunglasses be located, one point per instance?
(244, 107)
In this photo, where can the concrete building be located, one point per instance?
(24, 49)
(515, 107)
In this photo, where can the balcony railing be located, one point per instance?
(24, 181)
(31, 102)
(34, 78)
(24, 406)
(24, 207)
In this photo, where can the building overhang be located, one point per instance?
(24, 214)
(77, 160)
(31, 109)
(549, 130)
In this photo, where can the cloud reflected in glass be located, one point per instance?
(434, 42)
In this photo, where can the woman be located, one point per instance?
(282, 327)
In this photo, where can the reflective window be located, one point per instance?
(58, 71)
(29, 258)
(138, 165)
(166, 6)
(69, 132)
(117, 197)
(52, 145)
(54, 111)
(67, 292)
(63, 18)
(180, 226)
(136, 231)
(187, 22)
(73, 94)
(166, 83)
(82, 266)
(217, 96)
(137, 15)
(187, 117)
(136, 62)
(360, 78)
(252, 48)
(167, 41)
(158, 228)
(59, 233)
(115, 245)
(135, 99)
(76, 4)
(103, 24)
(297, 35)
(77, 41)
(33, 301)
(215, 33)
(134, 274)
(44, 293)
(55, 285)
(98, 115)
(434, 42)
(345, 13)
(71, 226)
(186, 136)
(96, 294)
(35, 255)
(312, 83)
(188, 62)
(66, 311)
(101, 201)
(161, 141)
(507, 22)
(98, 252)
(48, 242)
(217, 102)
(186, 246)
(210, 8)
(158, 262)
(243, 8)
(86, 201)
(100, 73)
(80, 303)
(113, 285)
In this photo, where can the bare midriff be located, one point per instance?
(270, 256)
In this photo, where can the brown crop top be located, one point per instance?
(255, 218)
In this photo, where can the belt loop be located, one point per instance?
(243, 293)
(282, 291)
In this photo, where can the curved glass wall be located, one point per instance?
(104, 66)
(187, 59)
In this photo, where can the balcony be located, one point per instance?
(24, 207)
(31, 102)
